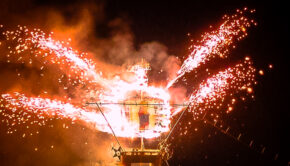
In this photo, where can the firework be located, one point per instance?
(212, 92)
(215, 43)
(43, 108)
(34, 47)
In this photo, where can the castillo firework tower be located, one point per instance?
(124, 107)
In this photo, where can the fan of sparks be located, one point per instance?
(79, 71)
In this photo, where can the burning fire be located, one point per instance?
(142, 120)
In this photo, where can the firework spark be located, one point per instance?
(212, 92)
(216, 42)
(46, 50)
(43, 107)
(41, 50)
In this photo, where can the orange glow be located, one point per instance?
(75, 70)
(249, 90)
(270, 66)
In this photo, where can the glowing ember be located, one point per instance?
(77, 71)
(270, 66)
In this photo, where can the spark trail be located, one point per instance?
(35, 48)
(45, 50)
(212, 92)
(215, 43)
(44, 107)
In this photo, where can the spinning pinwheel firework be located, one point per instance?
(27, 47)
(119, 97)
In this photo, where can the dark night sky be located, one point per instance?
(266, 119)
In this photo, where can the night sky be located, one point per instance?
(264, 119)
